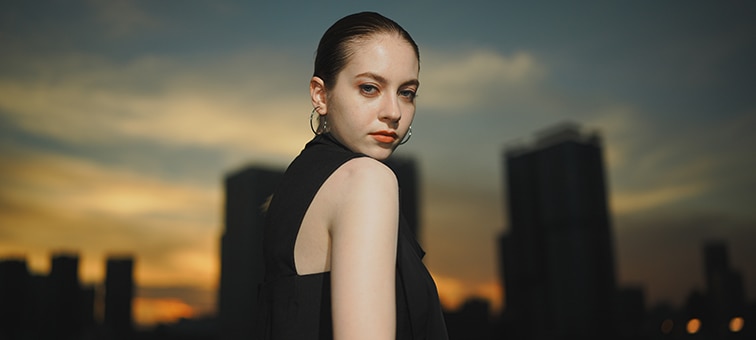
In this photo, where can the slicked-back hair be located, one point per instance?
(338, 42)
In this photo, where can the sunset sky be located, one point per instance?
(120, 119)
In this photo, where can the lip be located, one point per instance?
(384, 136)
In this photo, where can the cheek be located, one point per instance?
(409, 112)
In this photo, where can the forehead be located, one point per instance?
(385, 54)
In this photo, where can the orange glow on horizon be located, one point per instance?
(493, 293)
(150, 312)
(450, 292)
(453, 292)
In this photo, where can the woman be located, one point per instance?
(340, 260)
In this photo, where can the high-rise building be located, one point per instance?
(119, 295)
(471, 321)
(725, 292)
(630, 312)
(64, 303)
(15, 298)
(87, 296)
(405, 169)
(242, 266)
(557, 258)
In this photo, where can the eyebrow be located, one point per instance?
(383, 80)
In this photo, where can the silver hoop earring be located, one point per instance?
(407, 136)
(312, 114)
(322, 126)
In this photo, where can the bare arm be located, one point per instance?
(363, 262)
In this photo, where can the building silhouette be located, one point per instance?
(725, 293)
(471, 321)
(119, 294)
(64, 297)
(87, 315)
(242, 266)
(45, 307)
(15, 298)
(58, 306)
(406, 172)
(630, 312)
(557, 258)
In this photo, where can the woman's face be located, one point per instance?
(372, 104)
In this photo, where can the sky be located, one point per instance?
(120, 119)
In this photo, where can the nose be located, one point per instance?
(391, 111)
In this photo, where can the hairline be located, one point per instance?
(351, 45)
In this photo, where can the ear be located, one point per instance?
(318, 95)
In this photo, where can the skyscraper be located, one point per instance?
(119, 293)
(405, 169)
(242, 266)
(53, 306)
(725, 293)
(15, 298)
(64, 297)
(557, 258)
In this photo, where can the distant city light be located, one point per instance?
(667, 325)
(693, 326)
(736, 324)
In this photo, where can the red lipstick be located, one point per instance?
(384, 136)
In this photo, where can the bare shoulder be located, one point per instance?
(365, 171)
(363, 189)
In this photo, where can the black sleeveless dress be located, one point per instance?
(293, 306)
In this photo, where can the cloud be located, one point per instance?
(123, 17)
(662, 185)
(630, 202)
(170, 228)
(246, 102)
(84, 187)
(464, 81)
(651, 167)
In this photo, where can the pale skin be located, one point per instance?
(351, 226)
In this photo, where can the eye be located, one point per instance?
(368, 89)
(409, 94)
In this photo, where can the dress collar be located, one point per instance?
(327, 139)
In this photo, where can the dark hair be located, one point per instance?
(335, 47)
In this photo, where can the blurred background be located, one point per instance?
(120, 122)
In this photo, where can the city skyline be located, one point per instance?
(119, 120)
(59, 303)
